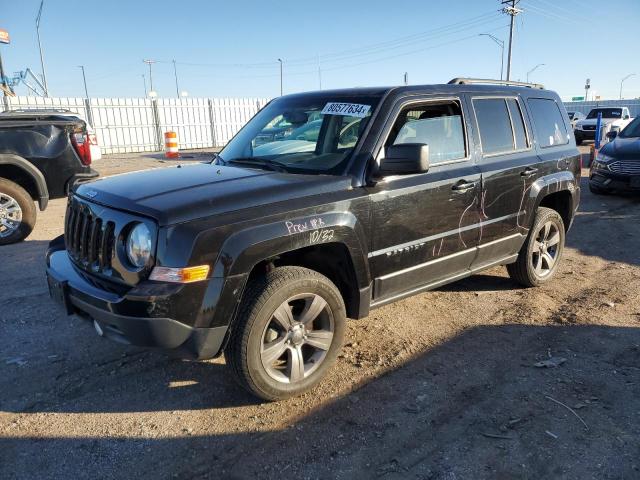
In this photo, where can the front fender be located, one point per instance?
(244, 249)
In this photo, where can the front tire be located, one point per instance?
(579, 140)
(288, 333)
(17, 213)
(540, 255)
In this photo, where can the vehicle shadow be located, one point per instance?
(601, 217)
(472, 407)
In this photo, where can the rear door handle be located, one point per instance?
(528, 172)
(463, 186)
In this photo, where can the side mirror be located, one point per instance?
(626, 117)
(405, 158)
(612, 134)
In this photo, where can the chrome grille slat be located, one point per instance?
(625, 167)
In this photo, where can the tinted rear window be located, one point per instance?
(496, 135)
(606, 113)
(547, 122)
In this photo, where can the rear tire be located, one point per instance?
(17, 213)
(541, 253)
(579, 140)
(288, 333)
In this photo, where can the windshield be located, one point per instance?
(632, 130)
(606, 113)
(313, 133)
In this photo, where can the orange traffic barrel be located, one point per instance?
(171, 145)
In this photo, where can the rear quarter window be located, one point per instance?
(548, 123)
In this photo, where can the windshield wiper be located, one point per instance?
(258, 162)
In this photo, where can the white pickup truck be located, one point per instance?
(613, 118)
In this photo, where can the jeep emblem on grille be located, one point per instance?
(90, 193)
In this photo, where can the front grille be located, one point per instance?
(89, 240)
(588, 127)
(625, 167)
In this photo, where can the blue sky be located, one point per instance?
(225, 49)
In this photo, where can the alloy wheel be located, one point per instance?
(10, 215)
(297, 338)
(545, 249)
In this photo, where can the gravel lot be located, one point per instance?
(439, 386)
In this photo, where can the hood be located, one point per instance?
(593, 121)
(284, 146)
(623, 149)
(188, 192)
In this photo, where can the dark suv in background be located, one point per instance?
(263, 257)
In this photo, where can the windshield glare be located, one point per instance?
(632, 130)
(606, 113)
(312, 133)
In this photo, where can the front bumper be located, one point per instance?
(585, 134)
(608, 180)
(125, 317)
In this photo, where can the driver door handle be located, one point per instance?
(463, 186)
(528, 172)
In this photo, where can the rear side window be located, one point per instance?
(547, 122)
(494, 123)
(519, 132)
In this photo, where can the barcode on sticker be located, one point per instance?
(350, 109)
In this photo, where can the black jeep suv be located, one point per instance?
(265, 256)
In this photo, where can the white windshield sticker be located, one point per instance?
(350, 109)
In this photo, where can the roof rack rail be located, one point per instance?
(487, 81)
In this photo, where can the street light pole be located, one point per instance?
(44, 74)
(501, 45)
(84, 79)
(280, 60)
(622, 81)
(150, 62)
(175, 74)
(144, 80)
(531, 71)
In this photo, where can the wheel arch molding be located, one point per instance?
(559, 191)
(35, 175)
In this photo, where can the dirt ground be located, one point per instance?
(439, 386)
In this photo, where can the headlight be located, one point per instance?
(139, 245)
(602, 158)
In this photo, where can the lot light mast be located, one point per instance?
(280, 60)
(44, 74)
(622, 81)
(510, 9)
(150, 62)
(500, 43)
(84, 79)
(533, 69)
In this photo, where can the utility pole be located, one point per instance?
(84, 79)
(44, 75)
(280, 60)
(175, 74)
(150, 62)
(144, 79)
(512, 11)
(319, 74)
(500, 43)
(622, 81)
(406, 78)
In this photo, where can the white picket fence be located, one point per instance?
(125, 125)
